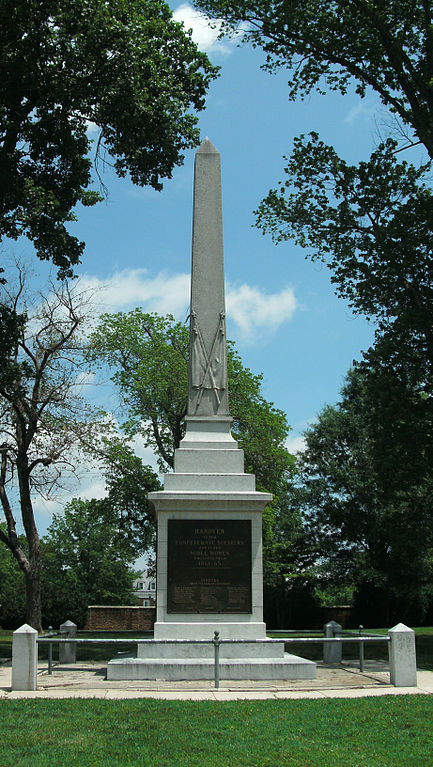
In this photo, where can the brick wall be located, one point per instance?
(341, 614)
(120, 618)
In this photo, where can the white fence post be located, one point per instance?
(332, 651)
(68, 652)
(402, 656)
(24, 658)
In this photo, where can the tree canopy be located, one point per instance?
(85, 562)
(371, 223)
(123, 65)
(385, 45)
(148, 356)
(43, 418)
(365, 488)
(127, 483)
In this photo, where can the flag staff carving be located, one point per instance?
(207, 390)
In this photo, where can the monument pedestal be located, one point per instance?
(209, 569)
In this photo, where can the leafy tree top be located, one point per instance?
(386, 45)
(148, 355)
(124, 65)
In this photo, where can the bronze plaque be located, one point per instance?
(209, 566)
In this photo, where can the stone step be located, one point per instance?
(288, 667)
(262, 649)
(207, 444)
(215, 481)
(224, 461)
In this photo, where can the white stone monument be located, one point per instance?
(209, 515)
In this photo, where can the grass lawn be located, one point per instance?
(368, 732)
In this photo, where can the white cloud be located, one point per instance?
(361, 112)
(253, 310)
(91, 128)
(296, 444)
(163, 293)
(205, 31)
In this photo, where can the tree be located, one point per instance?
(85, 561)
(385, 46)
(42, 417)
(370, 223)
(127, 482)
(148, 354)
(125, 66)
(366, 484)
(289, 557)
(12, 589)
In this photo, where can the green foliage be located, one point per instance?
(372, 222)
(85, 561)
(260, 428)
(123, 65)
(128, 482)
(148, 354)
(12, 589)
(260, 733)
(385, 45)
(289, 557)
(366, 488)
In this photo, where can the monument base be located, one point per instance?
(261, 660)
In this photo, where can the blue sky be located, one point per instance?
(281, 308)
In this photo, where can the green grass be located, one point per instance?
(368, 732)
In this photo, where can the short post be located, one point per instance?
(216, 642)
(402, 656)
(361, 651)
(332, 651)
(68, 652)
(50, 653)
(24, 658)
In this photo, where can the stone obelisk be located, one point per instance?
(208, 394)
(209, 569)
(209, 515)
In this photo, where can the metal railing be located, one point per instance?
(48, 641)
(217, 642)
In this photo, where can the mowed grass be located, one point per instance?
(370, 732)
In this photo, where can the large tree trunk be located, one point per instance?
(33, 597)
(33, 572)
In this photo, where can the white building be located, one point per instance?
(145, 589)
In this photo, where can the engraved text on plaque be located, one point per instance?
(209, 566)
